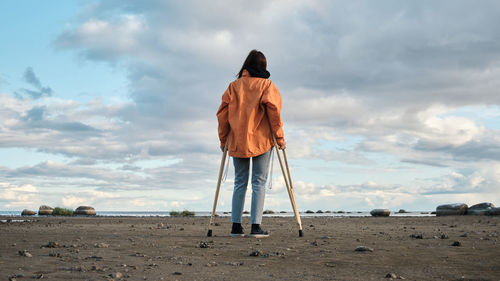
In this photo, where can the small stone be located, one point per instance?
(456, 244)
(256, 253)
(177, 273)
(204, 245)
(417, 236)
(391, 275)
(101, 245)
(116, 275)
(444, 236)
(52, 244)
(54, 254)
(363, 249)
(464, 235)
(25, 253)
(38, 276)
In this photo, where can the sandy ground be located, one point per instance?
(156, 248)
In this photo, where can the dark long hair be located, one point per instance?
(254, 60)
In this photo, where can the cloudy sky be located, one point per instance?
(386, 104)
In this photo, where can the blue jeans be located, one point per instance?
(260, 171)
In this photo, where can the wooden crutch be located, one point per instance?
(288, 183)
(221, 171)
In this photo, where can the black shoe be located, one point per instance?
(257, 232)
(237, 230)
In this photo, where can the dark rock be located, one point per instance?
(480, 209)
(177, 273)
(45, 210)
(464, 235)
(494, 212)
(319, 212)
(85, 211)
(456, 244)
(309, 212)
(246, 212)
(391, 275)
(27, 212)
(363, 249)
(25, 253)
(402, 211)
(256, 253)
(380, 212)
(444, 236)
(456, 209)
(417, 236)
(52, 244)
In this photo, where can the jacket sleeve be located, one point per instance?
(272, 101)
(222, 117)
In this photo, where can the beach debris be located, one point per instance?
(380, 212)
(363, 249)
(45, 210)
(391, 275)
(37, 276)
(444, 236)
(455, 209)
(27, 212)
(51, 244)
(417, 236)
(456, 244)
(85, 211)
(256, 253)
(101, 245)
(25, 253)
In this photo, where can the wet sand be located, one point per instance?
(164, 248)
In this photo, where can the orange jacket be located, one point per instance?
(242, 116)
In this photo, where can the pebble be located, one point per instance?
(116, 275)
(25, 253)
(52, 244)
(464, 235)
(256, 253)
(177, 273)
(234, 263)
(101, 245)
(456, 244)
(444, 236)
(363, 249)
(417, 236)
(391, 275)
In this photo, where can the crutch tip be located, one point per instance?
(209, 234)
(301, 233)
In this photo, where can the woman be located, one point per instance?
(249, 112)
